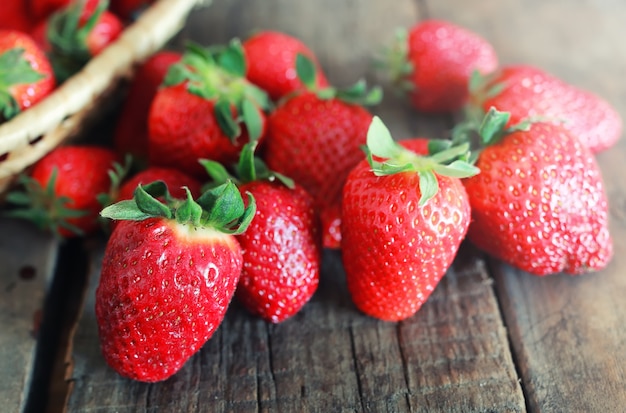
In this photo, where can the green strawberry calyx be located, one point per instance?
(388, 157)
(14, 70)
(488, 130)
(117, 174)
(394, 62)
(68, 37)
(250, 168)
(43, 207)
(357, 94)
(218, 73)
(221, 208)
(482, 87)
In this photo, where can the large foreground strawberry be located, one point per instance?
(404, 216)
(539, 202)
(527, 91)
(168, 275)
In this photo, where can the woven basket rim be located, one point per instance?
(154, 27)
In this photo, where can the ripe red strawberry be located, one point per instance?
(526, 91)
(539, 202)
(76, 33)
(281, 248)
(271, 63)
(63, 190)
(167, 278)
(281, 252)
(131, 131)
(315, 138)
(434, 61)
(41, 10)
(173, 178)
(403, 220)
(206, 109)
(25, 73)
(15, 16)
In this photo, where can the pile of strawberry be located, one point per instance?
(45, 42)
(247, 163)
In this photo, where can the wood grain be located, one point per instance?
(567, 332)
(28, 259)
(327, 358)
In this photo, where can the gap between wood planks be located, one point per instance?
(49, 387)
(514, 356)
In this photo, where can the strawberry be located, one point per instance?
(526, 91)
(25, 73)
(404, 216)
(40, 10)
(15, 16)
(314, 137)
(175, 180)
(271, 63)
(168, 274)
(281, 248)
(433, 63)
(539, 202)
(206, 109)
(64, 189)
(76, 33)
(131, 131)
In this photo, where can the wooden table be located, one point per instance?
(490, 339)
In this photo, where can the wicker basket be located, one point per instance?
(62, 115)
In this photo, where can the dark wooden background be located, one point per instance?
(490, 338)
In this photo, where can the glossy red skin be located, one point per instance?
(530, 91)
(539, 203)
(281, 252)
(271, 62)
(331, 226)
(131, 131)
(317, 142)
(15, 16)
(82, 174)
(182, 129)
(173, 178)
(394, 251)
(40, 36)
(443, 56)
(162, 295)
(105, 32)
(29, 94)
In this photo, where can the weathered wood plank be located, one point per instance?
(567, 333)
(452, 356)
(28, 259)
